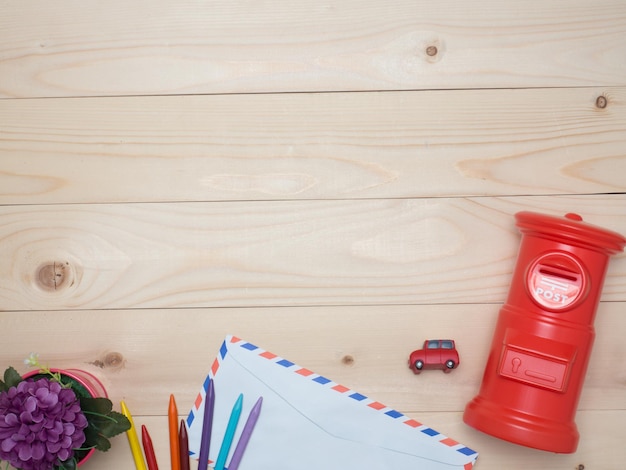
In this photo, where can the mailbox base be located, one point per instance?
(521, 428)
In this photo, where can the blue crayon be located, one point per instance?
(229, 434)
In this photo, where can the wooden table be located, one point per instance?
(333, 180)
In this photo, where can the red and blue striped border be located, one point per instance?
(321, 380)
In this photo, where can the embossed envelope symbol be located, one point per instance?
(308, 420)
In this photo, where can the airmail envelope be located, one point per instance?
(308, 422)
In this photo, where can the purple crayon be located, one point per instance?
(245, 435)
(209, 404)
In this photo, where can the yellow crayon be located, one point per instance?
(133, 440)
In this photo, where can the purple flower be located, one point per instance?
(41, 424)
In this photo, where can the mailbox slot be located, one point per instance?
(556, 281)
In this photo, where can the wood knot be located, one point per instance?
(53, 276)
(601, 102)
(432, 50)
(348, 360)
(580, 467)
(112, 360)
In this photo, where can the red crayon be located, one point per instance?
(148, 449)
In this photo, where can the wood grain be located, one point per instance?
(313, 146)
(142, 362)
(333, 180)
(88, 48)
(276, 253)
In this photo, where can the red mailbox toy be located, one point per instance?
(543, 337)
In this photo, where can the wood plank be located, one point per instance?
(70, 48)
(312, 146)
(144, 355)
(276, 253)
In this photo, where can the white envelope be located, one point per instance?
(308, 422)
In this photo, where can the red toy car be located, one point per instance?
(436, 354)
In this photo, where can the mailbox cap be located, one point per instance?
(571, 229)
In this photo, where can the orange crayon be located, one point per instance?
(172, 415)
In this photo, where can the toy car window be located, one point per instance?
(446, 344)
(433, 344)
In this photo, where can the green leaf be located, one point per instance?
(102, 444)
(11, 379)
(117, 425)
(102, 406)
(109, 425)
(104, 423)
(91, 436)
(95, 439)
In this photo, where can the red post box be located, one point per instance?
(544, 333)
